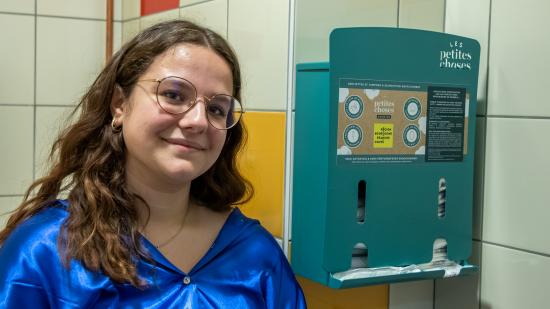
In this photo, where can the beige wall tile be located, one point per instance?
(191, 2)
(479, 172)
(512, 279)
(49, 122)
(117, 35)
(17, 6)
(411, 295)
(16, 59)
(212, 14)
(72, 8)
(130, 9)
(8, 203)
(258, 30)
(316, 19)
(519, 66)
(152, 19)
(129, 30)
(422, 14)
(517, 169)
(70, 54)
(460, 292)
(16, 134)
(470, 18)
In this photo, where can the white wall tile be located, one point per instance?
(479, 173)
(519, 66)
(16, 134)
(117, 35)
(316, 19)
(152, 19)
(8, 203)
(422, 14)
(512, 279)
(517, 178)
(411, 295)
(70, 54)
(259, 33)
(129, 30)
(212, 14)
(470, 18)
(131, 9)
(72, 8)
(49, 122)
(460, 292)
(17, 6)
(191, 2)
(117, 10)
(16, 59)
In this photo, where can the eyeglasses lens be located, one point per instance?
(176, 95)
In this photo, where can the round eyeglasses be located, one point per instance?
(176, 95)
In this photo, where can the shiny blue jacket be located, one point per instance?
(245, 268)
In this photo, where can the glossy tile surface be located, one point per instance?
(16, 134)
(460, 292)
(517, 170)
(16, 59)
(411, 295)
(70, 54)
(211, 14)
(321, 297)
(518, 70)
(130, 9)
(258, 31)
(470, 18)
(512, 279)
(422, 14)
(316, 19)
(49, 122)
(17, 6)
(262, 163)
(129, 30)
(192, 2)
(8, 203)
(479, 173)
(74, 8)
(150, 20)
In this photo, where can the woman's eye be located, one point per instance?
(216, 110)
(173, 96)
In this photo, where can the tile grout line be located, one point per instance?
(34, 96)
(516, 248)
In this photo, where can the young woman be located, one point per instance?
(152, 180)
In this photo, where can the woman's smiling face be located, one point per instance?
(172, 150)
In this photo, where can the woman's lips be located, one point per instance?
(187, 144)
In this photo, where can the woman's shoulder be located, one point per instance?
(252, 237)
(40, 230)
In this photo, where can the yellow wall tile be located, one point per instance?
(321, 297)
(263, 163)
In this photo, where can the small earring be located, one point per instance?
(116, 129)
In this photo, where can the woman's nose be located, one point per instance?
(196, 117)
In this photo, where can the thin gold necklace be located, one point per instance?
(180, 228)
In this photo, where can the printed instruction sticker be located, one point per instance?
(401, 122)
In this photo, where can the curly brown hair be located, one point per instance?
(88, 161)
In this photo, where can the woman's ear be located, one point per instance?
(118, 104)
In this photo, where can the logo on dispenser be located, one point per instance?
(455, 57)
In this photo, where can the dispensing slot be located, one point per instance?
(361, 198)
(441, 198)
(359, 256)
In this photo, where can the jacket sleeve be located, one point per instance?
(281, 289)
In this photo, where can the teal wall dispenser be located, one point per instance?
(383, 158)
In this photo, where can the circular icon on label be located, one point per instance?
(412, 108)
(354, 107)
(353, 135)
(411, 135)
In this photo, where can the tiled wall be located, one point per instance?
(43, 74)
